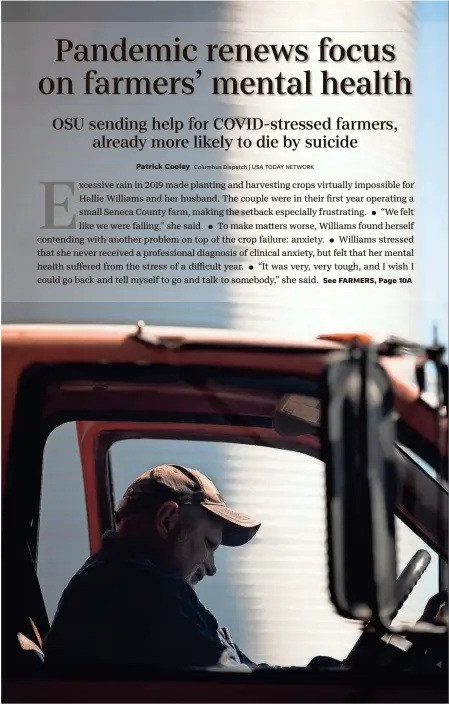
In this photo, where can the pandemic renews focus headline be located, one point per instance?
(378, 82)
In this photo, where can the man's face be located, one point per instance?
(198, 537)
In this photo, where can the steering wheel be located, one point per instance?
(365, 649)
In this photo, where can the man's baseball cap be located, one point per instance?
(174, 482)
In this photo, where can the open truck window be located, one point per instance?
(273, 595)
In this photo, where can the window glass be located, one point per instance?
(63, 530)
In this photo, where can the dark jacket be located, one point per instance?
(121, 608)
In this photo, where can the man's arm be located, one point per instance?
(177, 638)
(175, 633)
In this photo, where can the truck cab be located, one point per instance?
(244, 407)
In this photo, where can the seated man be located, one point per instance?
(133, 602)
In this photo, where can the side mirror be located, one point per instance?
(357, 441)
